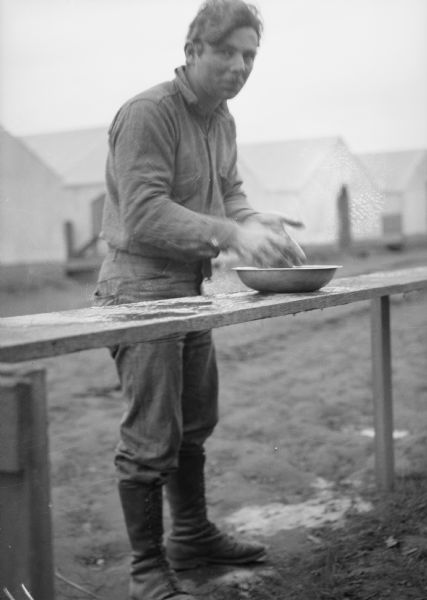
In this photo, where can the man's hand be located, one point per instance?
(258, 245)
(276, 221)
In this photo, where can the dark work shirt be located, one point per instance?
(173, 189)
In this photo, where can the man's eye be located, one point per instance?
(228, 52)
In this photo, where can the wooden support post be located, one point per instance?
(26, 556)
(70, 242)
(382, 389)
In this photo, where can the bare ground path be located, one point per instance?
(292, 454)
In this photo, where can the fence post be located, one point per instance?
(26, 555)
(382, 388)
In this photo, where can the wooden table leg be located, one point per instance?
(26, 556)
(382, 390)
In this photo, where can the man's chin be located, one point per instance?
(231, 92)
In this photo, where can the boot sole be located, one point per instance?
(203, 561)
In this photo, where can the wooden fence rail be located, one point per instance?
(26, 557)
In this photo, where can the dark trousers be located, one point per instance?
(170, 385)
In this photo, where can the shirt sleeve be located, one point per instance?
(142, 142)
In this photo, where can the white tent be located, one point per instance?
(31, 224)
(402, 179)
(318, 181)
(50, 179)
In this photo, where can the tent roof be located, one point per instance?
(392, 170)
(285, 165)
(78, 157)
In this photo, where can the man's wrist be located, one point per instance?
(224, 235)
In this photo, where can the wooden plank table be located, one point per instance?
(51, 334)
(25, 521)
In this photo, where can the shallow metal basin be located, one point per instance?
(306, 278)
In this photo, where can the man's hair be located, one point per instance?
(216, 19)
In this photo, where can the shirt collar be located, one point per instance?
(189, 96)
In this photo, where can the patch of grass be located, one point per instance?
(378, 555)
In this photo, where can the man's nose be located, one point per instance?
(238, 63)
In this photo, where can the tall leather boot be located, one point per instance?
(151, 576)
(195, 541)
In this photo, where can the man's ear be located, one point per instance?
(190, 52)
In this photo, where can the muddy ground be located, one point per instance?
(291, 462)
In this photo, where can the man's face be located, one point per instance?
(220, 72)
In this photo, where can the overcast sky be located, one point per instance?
(355, 68)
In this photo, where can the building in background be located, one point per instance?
(31, 203)
(52, 193)
(78, 158)
(402, 179)
(319, 182)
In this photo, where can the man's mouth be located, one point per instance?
(234, 83)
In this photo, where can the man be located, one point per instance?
(174, 201)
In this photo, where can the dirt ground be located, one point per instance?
(291, 461)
